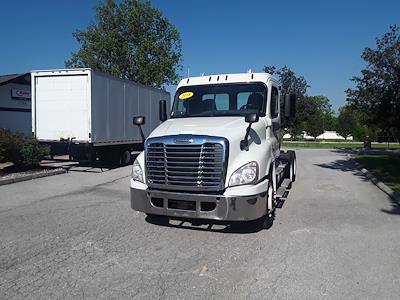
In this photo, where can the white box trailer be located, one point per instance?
(88, 114)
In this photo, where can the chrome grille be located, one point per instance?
(199, 165)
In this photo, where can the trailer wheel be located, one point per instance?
(125, 158)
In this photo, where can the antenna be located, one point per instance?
(188, 72)
(249, 71)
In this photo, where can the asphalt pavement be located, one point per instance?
(337, 236)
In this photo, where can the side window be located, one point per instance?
(274, 103)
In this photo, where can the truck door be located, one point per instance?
(275, 118)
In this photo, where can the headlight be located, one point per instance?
(137, 172)
(244, 175)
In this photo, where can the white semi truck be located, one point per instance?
(218, 157)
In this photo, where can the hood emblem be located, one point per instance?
(183, 141)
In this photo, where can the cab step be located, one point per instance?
(286, 183)
(283, 188)
(279, 169)
(280, 192)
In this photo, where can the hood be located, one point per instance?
(231, 128)
(228, 127)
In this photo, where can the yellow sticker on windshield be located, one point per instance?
(186, 95)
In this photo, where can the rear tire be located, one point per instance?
(293, 166)
(291, 170)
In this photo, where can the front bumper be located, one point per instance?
(240, 203)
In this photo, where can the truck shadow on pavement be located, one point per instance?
(348, 165)
(207, 225)
(96, 167)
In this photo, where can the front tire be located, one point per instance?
(267, 220)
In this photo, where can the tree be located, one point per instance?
(314, 113)
(377, 90)
(290, 82)
(347, 123)
(361, 132)
(315, 124)
(130, 40)
(330, 121)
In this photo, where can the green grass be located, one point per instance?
(337, 145)
(322, 145)
(385, 146)
(385, 167)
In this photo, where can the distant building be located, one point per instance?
(15, 102)
(327, 135)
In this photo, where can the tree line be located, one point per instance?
(314, 113)
(133, 40)
(372, 109)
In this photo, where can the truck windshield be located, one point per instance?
(219, 100)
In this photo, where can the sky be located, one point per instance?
(320, 40)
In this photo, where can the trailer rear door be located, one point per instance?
(62, 107)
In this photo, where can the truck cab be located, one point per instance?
(218, 156)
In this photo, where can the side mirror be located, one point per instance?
(139, 121)
(251, 118)
(163, 110)
(290, 106)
